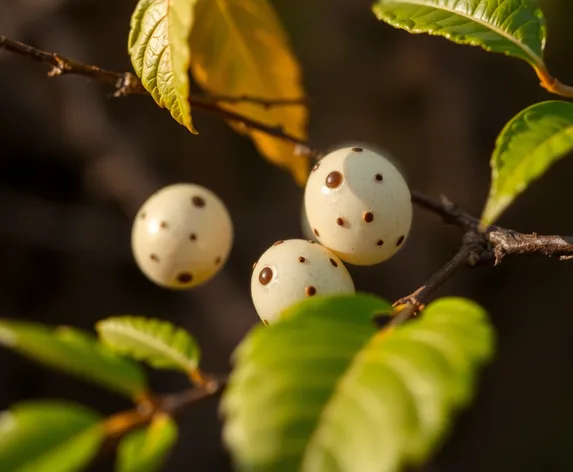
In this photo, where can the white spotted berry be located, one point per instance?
(292, 270)
(358, 205)
(182, 236)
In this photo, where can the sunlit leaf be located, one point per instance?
(239, 47)
(324, 390)
(76, 352)
(145, 450)
(513, 27)
(157, 342)
(159, 50)
(527, 147)
(48, 436)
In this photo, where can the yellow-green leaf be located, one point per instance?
(324, 390)
(526, 148)
(48, 436)
(513, 27)
(157, 342)
(239, 47)
(159, 50)
(75, 352)
(145, 449)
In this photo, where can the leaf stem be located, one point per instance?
(118, 425)
(551, 84)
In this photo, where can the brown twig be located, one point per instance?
(263, 102)
(478, 247)
(509, 243)
(126, 83)
(118, 425)
(502, 241)
(470, 253)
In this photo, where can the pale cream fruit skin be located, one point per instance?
(292, 279)
(388, 200)
(173, 235)
(305, 225)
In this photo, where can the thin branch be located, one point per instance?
(510, 243)
(245, 123)
(502, 241)
(471, 251)
(263, 102)
(118, 425)
(126, 83)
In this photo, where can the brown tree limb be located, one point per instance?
(502, 241)
(125, 83)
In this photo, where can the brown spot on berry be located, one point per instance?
(197, 201)
(310, 291)
(357, 149)
(334, 179)
(333, 262)
(316, 166)
(316, 233)
(218, 260)
(154, 257)
(143, 215)
(302, 259)
(184, 277)
(163, 224)
(311, 241)
(340, 221)
(400, 240)
(379, 177)
(265, 322)
(278, 242)
(266, 275)
(380, 242)
(368, 217)
(193, 237)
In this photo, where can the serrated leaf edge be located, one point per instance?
(536, 61)
(121, 327)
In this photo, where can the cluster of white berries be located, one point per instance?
(356, 203)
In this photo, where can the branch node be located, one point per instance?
(56, 71)
(127, 84)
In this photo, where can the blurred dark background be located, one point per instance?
(75, 165)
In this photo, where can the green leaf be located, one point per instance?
(528, 145)
(157, 342)
(145, 450)
(323, 390)
(48, 436)
(513, 27)
(75, 352)
(159, 50)
(239, 47)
